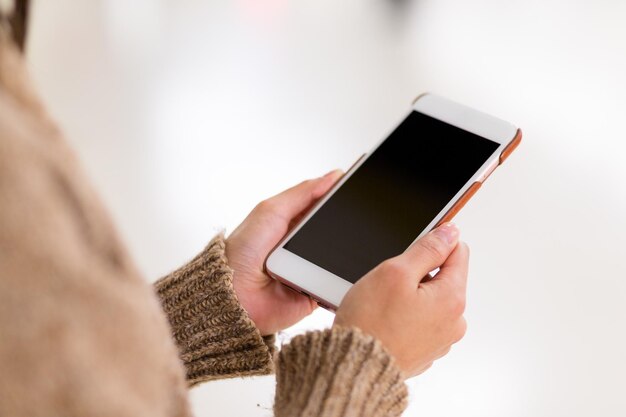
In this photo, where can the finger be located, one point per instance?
(296, 199)
(460, 330)
(421, 369)
(296, 297)
(298, 218)
(453, 272)
(443, 352)
(432, 250)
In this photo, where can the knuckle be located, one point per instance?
(310, 186)
(393, 267)
(457, 304)
(443, 352)
(425, 368)
(459, 331)
(306, 183)
(433, 247)
(266, 206)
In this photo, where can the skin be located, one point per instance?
(271, 305)
(416, 319)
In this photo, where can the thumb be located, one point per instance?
(453, 272)
(432, 250)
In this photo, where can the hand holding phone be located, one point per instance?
(417, 322)
(271, 305)
(418, 177)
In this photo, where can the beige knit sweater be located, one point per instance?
(82, 334)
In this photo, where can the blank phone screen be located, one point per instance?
(392, 197)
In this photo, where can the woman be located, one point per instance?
(81, 333)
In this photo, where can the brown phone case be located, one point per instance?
(506, 152)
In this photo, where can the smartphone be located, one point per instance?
(420, 176)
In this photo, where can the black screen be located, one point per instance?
(392, 197)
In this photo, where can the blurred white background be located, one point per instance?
(187, 113)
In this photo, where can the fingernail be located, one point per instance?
(333, 173)
(448, 232)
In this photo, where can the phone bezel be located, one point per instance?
(329, 289)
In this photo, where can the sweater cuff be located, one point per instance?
(338, 372)
(215, 337)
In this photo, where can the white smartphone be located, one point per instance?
(418, 177)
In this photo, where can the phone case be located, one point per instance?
(469, 193)
(506, 152)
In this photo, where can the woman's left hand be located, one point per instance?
(272, 306)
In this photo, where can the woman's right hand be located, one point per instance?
(416, 320)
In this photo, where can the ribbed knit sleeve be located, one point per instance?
(337, 372)
(214, 334)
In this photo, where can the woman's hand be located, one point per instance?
(271, 305)
(417, 320)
